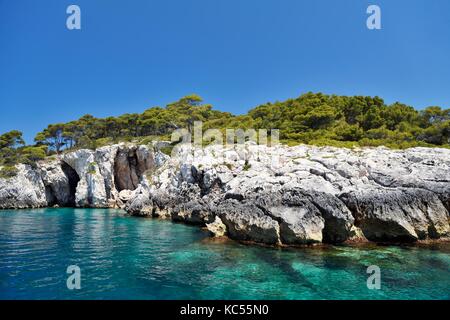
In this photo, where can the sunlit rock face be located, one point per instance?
(81, 178)
(60, 181)
(91, 189)
(25, 190)
(276, 195)
(130, 164)
(109, 174)
(304, 194)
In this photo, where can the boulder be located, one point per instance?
(398, 214)
(248, 222)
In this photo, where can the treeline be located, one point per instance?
(313, 118)
(91, 132)
(348, 121)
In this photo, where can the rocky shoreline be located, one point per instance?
(277, 195)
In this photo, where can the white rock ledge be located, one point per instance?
(273, 195)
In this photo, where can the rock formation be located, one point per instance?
(25, 190)
(273, 195)
(304, 194)
(81, 178)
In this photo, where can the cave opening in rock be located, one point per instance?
(127, 171)
(73, 178)
(50, 196)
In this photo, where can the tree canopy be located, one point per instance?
(14, 151)
(312, 118)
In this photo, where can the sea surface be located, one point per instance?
(122, 257)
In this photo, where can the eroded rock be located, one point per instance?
(302, 195)
(398, 214)
(217, 227)
(272, 195)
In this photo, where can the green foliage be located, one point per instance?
(53, 136)
(229, 166)
(12, 152)
(167, 150)
(30, 155)
(315, 118)
(11, 139)
(349, 132)
(7, 172)
(90, 132)
(149, 139)
(92, 168)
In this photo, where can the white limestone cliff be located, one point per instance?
(274, 195)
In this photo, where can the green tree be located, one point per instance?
(11, 139)
(31, 154)
(52, 136)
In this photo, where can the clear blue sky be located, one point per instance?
(236, 54)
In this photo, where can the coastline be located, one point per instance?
(426, 243)
(277, 196)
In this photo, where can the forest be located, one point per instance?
(312, 118)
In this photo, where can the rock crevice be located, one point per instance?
(130, 164)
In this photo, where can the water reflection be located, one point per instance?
(133, 258)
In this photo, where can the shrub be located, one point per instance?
(167, 150)
(92, 168)
(7, 172)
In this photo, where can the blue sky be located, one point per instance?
(236, 54)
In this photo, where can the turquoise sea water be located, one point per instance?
(122, 257)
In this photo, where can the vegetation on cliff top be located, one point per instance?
(14, 151)
(312, 118)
